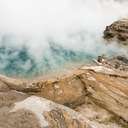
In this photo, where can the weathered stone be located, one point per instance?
(106, 87)
(118, 30)
(115, 62)
(37, 112)
(65, 90)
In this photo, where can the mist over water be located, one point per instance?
(41, 36)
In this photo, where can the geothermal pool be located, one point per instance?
(38, 37)
(19, 62)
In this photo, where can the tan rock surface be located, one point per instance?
(104, 87)
(37, 112)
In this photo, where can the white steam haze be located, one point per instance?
(40, 35)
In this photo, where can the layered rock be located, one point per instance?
(117, 31)
(103, 88)
(117, 62)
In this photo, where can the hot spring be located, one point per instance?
(42, 36)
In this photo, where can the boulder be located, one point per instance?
(117, 31)
(37, 112)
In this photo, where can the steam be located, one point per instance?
(37, 36)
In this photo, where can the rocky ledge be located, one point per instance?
(96, 97)
(117, 31)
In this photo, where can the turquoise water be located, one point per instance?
(39, 37)
(19, 59)
(18, 62)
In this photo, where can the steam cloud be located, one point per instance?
(37, 36)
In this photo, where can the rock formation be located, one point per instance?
(19, 111)
(98, 89)
(118, 31)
